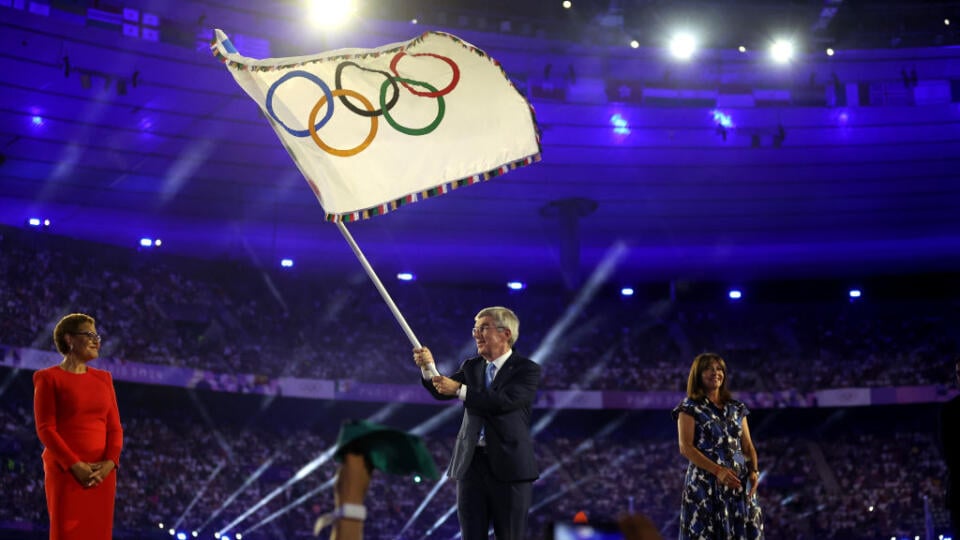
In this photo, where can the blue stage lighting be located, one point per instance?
(735, 294)
(516, 285)
(722, 119)
(626, 291)
(854, 293)
(181, 536)
(37, 121)
(147, 242)
(33, 222)
(286, 263)
(620, 124)
(406, 276)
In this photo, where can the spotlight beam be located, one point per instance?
(299, 500)
(233, 496)
(599, 276)
(199, 494)
(423, 505)
(304, 471)
(441, 520)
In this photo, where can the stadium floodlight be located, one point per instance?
(330, 13)
(781, 51)
(683, 45)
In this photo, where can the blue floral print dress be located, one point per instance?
(709, 511)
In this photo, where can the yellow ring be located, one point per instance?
(336, 151)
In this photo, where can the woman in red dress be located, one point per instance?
(79, 425)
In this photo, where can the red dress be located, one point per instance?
(77, 420)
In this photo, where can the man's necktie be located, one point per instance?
(491, 371)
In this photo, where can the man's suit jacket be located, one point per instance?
(504, 410)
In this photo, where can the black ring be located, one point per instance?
(353, 108)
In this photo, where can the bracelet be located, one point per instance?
(345, 511)
(753, 471)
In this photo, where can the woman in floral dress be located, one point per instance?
(719, 495)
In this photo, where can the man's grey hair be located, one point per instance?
(503, 317)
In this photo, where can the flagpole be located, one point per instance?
(376, 283)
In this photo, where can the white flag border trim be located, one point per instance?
(222, 47)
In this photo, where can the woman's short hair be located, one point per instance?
(503, 317)
(69, 325)
(695, 389)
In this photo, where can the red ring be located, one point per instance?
(443, 91)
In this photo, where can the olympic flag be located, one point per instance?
(374, 129)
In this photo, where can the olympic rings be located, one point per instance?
(327, 95)
(353, 108)
(434, 93)
(391, 80)
(373, 123)
(403, 129)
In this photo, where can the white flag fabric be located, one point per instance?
(374, 129)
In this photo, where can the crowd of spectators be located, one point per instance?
(202, 463)
(230, 317)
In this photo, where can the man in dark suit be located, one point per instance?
(950, 444)
(493, 461)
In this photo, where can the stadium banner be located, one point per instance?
(352, 390)
(844, 397)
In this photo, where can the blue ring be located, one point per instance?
(309, 76)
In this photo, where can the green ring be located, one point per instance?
(403, 129)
